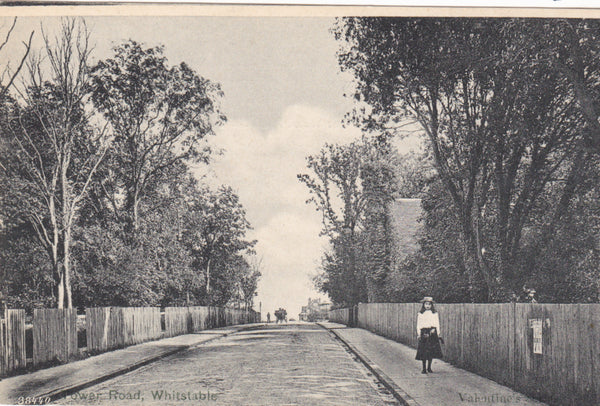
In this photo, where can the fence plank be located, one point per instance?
(98, 329)
(176, 321)
(199, 315)
(584, 370)
(3, 364)
(595, 349)
(16, 332)
(54, 335)
(12, 350)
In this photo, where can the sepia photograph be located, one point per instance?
(299, 205)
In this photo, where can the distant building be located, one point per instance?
(315, 310)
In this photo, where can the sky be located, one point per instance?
(284, 99)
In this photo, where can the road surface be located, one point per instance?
(284, 364)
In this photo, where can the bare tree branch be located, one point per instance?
(4, 88)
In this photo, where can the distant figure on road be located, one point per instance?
(428, 333)
(268, 317)
(281, 315)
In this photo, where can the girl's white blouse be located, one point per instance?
(428, 319)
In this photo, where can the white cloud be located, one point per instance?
(262, 168)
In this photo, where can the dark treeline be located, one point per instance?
(99, 206)
(509, 178)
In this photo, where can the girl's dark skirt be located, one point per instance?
(429, 345)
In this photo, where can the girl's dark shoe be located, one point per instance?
(429, 370)
(423, 371)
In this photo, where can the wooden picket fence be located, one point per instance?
(340, 316)
(54, 335)
(55, 338)
(108, 328)
(183, 320)
(548, 351)
(176, 321)
(199, 318)
(12, 341)
(219, 320)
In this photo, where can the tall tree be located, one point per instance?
(54, 151)
(380, 188)
(248, 280)
(499, 124)
(215, 233)
(351, 186)
(158, 114)
(336, 192)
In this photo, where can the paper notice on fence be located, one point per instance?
(536, 325)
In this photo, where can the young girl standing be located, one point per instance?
(428, 332)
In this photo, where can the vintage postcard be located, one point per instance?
(243, 204)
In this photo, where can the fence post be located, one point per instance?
(2, 345)
(514, 343)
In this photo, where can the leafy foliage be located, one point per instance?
(351, 186)
(97, 196)
(158, 114)
(215, 227)
(508, 109)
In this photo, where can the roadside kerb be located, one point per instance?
(397, 391)
(70, 389)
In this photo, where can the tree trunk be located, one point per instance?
(135, 219)
(208, 277)
(61, 292)
(67, 214)
(470, 268)
(53, 247)
(370, 291)
(67, 267)
(475, 266)
(132, 203)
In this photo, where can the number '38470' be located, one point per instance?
(32, 400)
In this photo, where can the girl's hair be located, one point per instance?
(423, 308)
